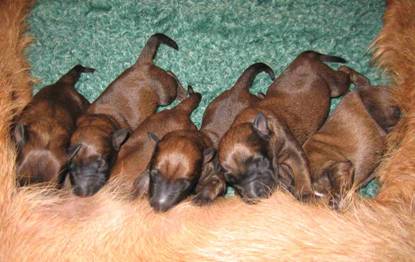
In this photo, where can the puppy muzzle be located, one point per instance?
(88, 180)
(166, 194)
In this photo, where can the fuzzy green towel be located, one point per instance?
(217, 39)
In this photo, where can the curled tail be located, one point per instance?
(323, 57)
(246, 79)
(150, 49)
(191, 102)
(72, 76)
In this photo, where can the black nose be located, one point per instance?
(85, 191)
(87, 183)
(256, 190)
(161, 203)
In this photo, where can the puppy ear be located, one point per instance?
(19, 135)
(291, 162)
(119, 137)
(153, 137)
(141, 184)
(208, 155)
(72, 151)
(260, 125)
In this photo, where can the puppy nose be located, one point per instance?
(255, 190)
(83, 191)
(160, 204)
(85, 188)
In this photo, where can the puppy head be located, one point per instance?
(93, 150)
(245, 160)
(175, 169)
(381, 106)
(41, 154)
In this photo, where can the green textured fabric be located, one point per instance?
(217, 39)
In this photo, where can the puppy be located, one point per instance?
(263, 146)
(217, 119)
(42, 131)
(176, 165)
(136, 153)
(127, 101)
(349, 146)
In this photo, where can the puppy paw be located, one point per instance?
(203, 198)
(207, 193)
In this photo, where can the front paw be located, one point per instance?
(207, 193)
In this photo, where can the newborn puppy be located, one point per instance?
(217, 119)
(349, 146)
(136, 153)
(263, 146)
(127, 101)
(176, 165)
(43, 129)
(221, 112)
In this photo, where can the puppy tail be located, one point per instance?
(324, 58)
(72, 76)
(191, 102)
(247, 78)
(150, 49)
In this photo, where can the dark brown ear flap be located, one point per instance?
(19, 135)
(340, 175)
(208, 155)
(72, 151)
(291, 162)
(260, 125)
(141, 184)
(153, 137)
(119, 137)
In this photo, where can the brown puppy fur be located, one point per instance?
(349, 146)
(42, 131)
(217, 119)
(127, 101)
(176, 165)
(136, 153)
(37, 225)
(221, 112)
(264, 142)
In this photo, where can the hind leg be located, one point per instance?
(166, 84)
(338, 81)
(357, 79)
(181, 92)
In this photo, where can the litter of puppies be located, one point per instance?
(284, 139)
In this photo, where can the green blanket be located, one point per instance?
(217, 39)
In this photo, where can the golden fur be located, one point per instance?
(42, 225)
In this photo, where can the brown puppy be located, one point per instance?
(42, 131)
(264, 142)
(136, 153)
(349, 146)
(127, 101)
(217, 119)
(176, 165)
